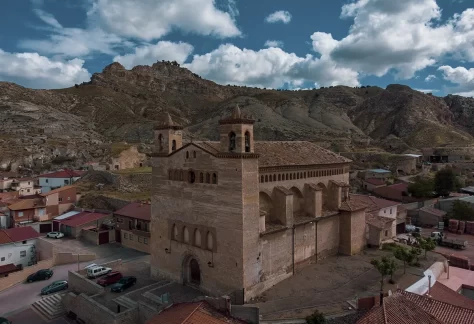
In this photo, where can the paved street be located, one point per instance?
(22, 295)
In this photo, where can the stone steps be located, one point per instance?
(126, 302)
(50, 307)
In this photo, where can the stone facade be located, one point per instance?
(238, 216)
(128, 159)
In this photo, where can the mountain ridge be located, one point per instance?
(78, 124)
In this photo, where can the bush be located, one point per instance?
(389, 246)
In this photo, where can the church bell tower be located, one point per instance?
(168, 136)
(236, 133)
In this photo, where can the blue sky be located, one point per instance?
(426, 44)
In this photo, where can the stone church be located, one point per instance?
(237, 216)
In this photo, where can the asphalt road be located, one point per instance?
(21, 296)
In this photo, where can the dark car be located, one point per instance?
(43, 274)
(3, 320)
(54, 287)
(123, 284)
(110, 278)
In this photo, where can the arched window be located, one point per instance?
(286, 177)
(174, 233)
(170, 175)
(297, 175)
(176, 175)
(274, 177)
(210, 241)
(191, 177)
(194, 154)
(266, 178)
(214, 178)
(173, 145)
(208, 177)
(232, 141)
(160, 142)
(187, 154)
(279, 177)
(181, 175)
(185, 235)
(291, 176)
(197, 238)
(201, 177)
(304, 175)
(247, 141)
(262, 178)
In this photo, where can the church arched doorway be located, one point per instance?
(194, 272)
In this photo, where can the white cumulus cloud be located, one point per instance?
(271, 67)
(404, 36)
(462, 77)
(36, 71)
(151, 19)
(149, 54)
(279, 16)
(273, 43)
(430, 77)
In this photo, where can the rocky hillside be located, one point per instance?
(70, 126)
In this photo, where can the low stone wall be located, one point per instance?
(67, 258)
(20, 276)
(46, 249)
(79, 284)
(93, 312)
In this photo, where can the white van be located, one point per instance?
(97, 271)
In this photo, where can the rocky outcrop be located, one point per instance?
(70, 126)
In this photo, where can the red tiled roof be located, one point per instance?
(377, 221)
(4, 238)
(353, 204)
(375, 181)
(136, 210)
(57, 190)
(404, 307)
(444, 294)
(434, 211)
(282, 153)
(392, 192)
(192, 313)
(82, 218)
(23, 204)
(18, 234)
(63, 174)
(6, 196)
(374, 203)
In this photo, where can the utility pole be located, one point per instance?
(77, 261)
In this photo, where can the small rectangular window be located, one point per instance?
(131, 237)
(125, 235)
(68, 198)
(46, 180)
(60, 199)
(2, 259)
(22, 254)
(386, 233)
(24, 242)
(20, 214)
(145, 240)
(139, 239)
(390, 210)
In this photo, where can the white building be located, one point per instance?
(58, 179)
(18, 246)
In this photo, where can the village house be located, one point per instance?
(24, 186)
(128, 159)
(429, 216)
(54, 180)
(18, 246)
(76, 224)
(396, 192)
(375, 173)
(132, 223)
(43, 207)
(381, 219)
(237, 216)
(371, 183)
(6, 199)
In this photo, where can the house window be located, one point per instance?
(173, 145)
(214, 178)
(384, 211)
(187, 155)
(130, 224)
(125, 235)
(145, 240)
(22, 254)
(20, 214)
(60, 199)
(47, 180)
(68, 198)
(139, 239)
(194, 154)
(390, 210)
(131, 237)
(28, 183)
(2, 259)
(386, 233)
(24, 242)
(28, 190)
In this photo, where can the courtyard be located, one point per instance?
(330, 284)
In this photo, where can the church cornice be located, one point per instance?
(302, 167)
(233, 155)
(234, 121)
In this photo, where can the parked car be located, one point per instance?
(43, 274)
(97, 271)
(3, 320)
(55, 235)
(91, 266)
(124, 283)
(54, 287)
(110, 278)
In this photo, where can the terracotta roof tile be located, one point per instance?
(82, 218)
(18, 234)
(4, 238)
(52, 192)
(192, 313)
(23, 204)
(444, 294)
(377, 221)
(374, 203)
(136, 210)
(7, 196)
(353, 204)
(285, 153)
(375, 181)
(434, 211)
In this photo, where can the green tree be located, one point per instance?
(422, 187)
(427, 244)
(461, 210)
(405, 255)
(316, 318)
(445, 181)
(386, 266)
